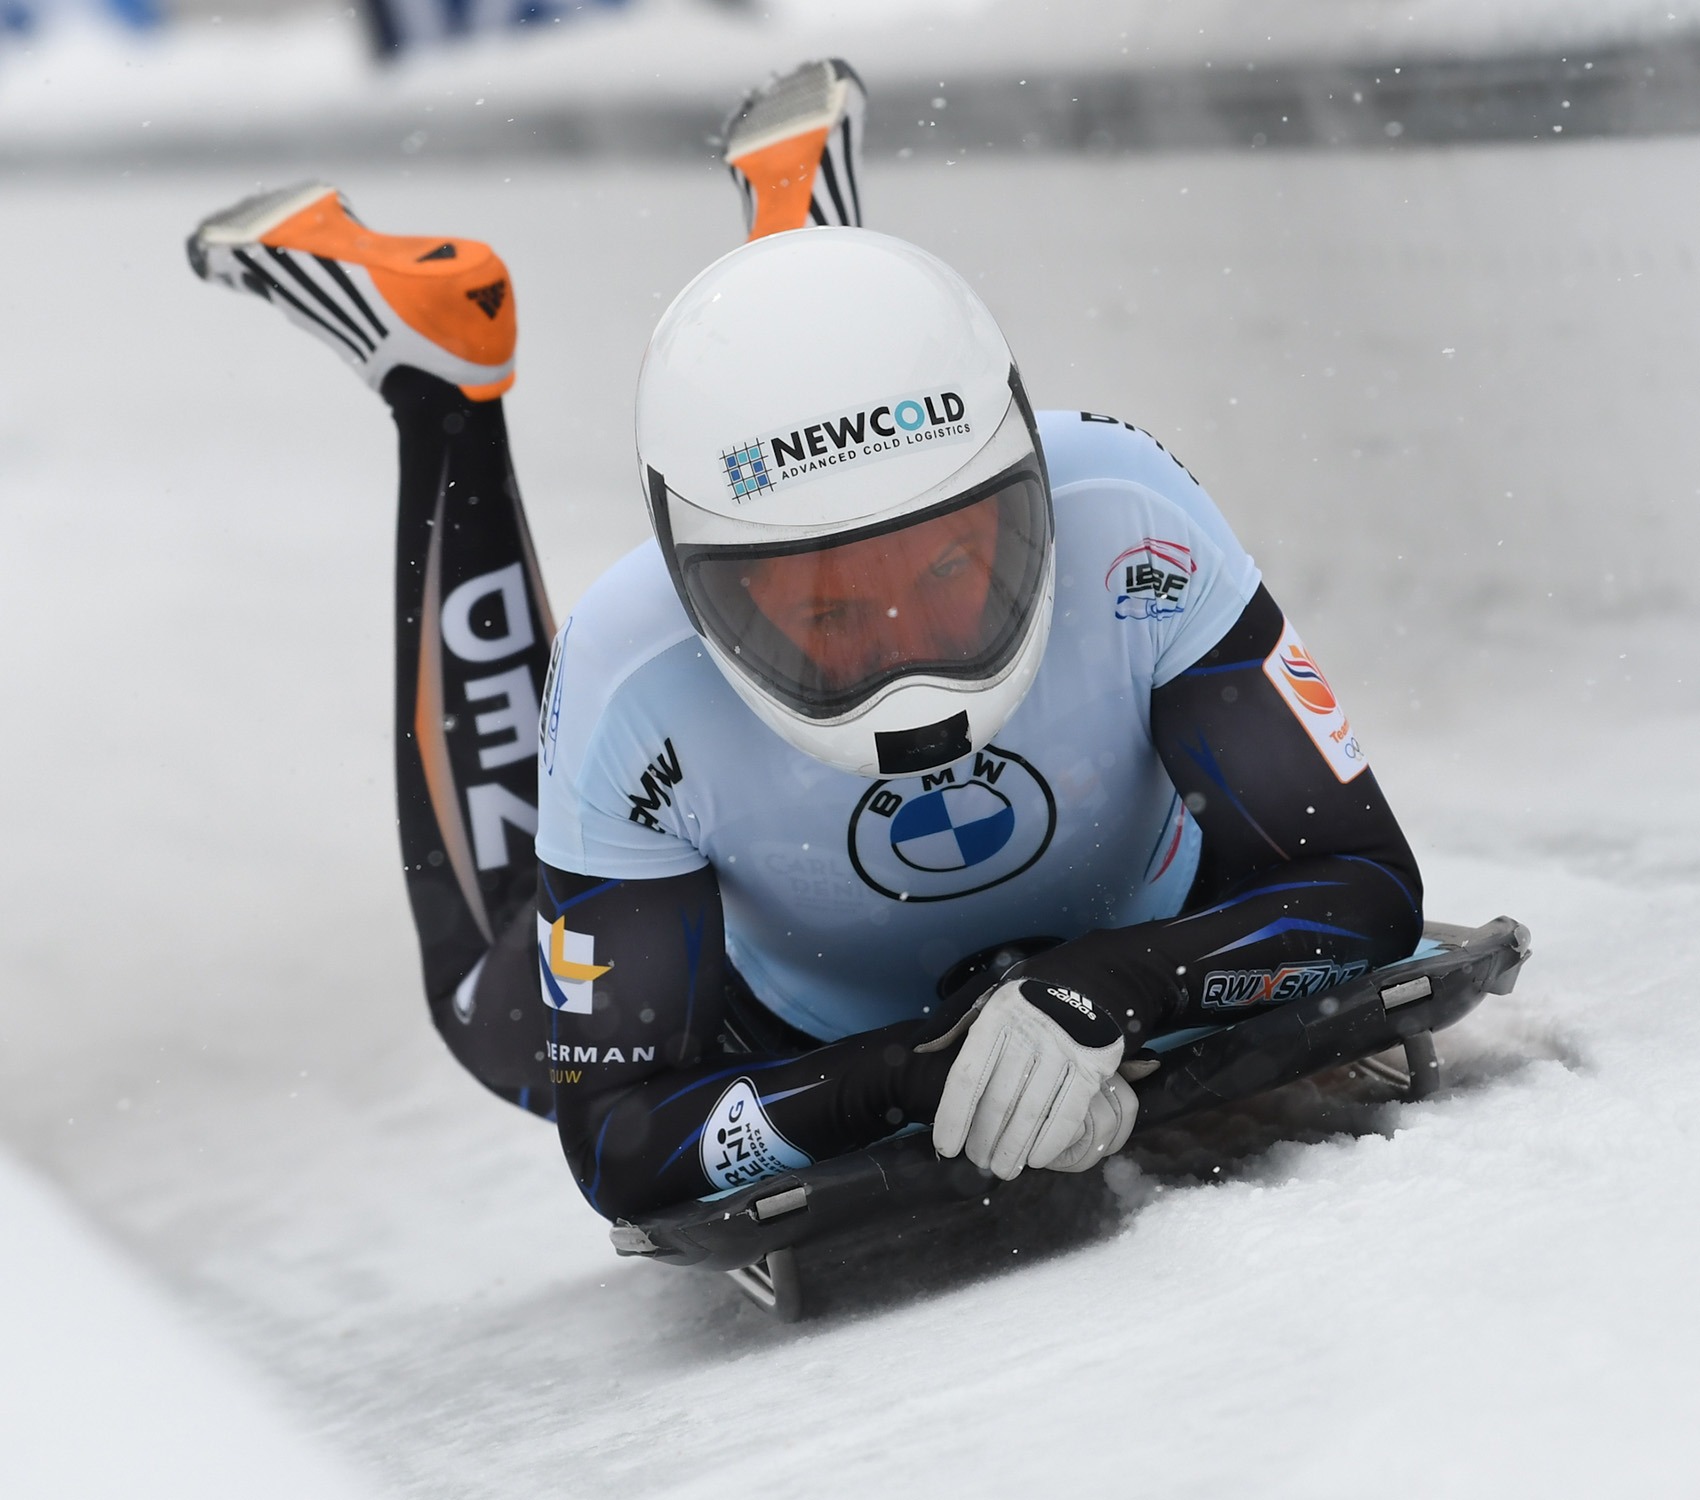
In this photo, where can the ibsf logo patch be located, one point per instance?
(1306, 692)
(739, 1144)
(1150, 580)
(549, 714)
(952, 832)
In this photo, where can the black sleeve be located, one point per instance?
(651, 1105)
(1305, 880)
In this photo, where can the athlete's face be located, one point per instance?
(915, 595)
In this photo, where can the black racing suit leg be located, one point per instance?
(473, 631)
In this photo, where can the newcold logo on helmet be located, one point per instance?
(860, 435)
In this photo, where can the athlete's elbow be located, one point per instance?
(604, 1147)
(1402, 928)
(614, 1198)
(615, 1192)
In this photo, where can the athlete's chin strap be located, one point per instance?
(909, 752)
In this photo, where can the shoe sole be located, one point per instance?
(781, 141)
(245, 222)
(811, 99)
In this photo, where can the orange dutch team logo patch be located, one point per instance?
(1305, 678)
(1300, 682)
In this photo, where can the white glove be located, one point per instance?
(1022, 1089)
(1109, 1122)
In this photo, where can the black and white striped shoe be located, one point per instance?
(444, 306)
(794, 148)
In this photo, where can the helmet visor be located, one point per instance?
(948, 592)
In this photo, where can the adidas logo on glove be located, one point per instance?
(1072, 1011)
(1074, 998)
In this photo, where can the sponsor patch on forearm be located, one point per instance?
(1301, 684)
(739, 1144)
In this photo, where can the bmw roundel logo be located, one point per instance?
(954, 831)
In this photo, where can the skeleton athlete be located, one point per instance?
(936, 754)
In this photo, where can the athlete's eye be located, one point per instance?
(825, 616)
(951, 563)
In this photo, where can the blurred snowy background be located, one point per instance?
(144, 81)
(1413, 287)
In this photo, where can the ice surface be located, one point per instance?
(105, 1394)
(1448, 398)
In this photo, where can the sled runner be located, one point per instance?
(751, 1232)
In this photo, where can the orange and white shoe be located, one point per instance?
(445, 306)
(794, 147)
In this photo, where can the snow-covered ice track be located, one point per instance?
(90, 1345)
(212, 1031)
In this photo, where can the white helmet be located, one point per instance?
(846, 481)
